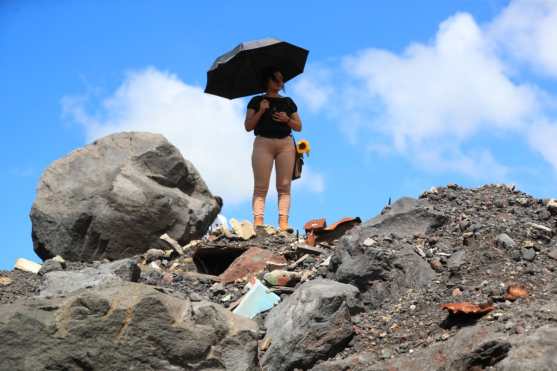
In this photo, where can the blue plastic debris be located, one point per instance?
(258, 299)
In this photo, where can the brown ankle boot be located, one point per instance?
(257, 221)
(283, 222)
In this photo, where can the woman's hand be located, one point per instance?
(264, 105)
(281, 117)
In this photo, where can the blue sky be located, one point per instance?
(397, 96)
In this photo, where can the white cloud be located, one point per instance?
(311, 181)
(527, 30)
(313, 88)
(208, 130)
(434, 97)
(432, 101)
(543, 137)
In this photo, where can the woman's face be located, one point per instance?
(276, 82)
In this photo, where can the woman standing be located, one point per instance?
(272, 117)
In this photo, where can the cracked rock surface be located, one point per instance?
(115, 197)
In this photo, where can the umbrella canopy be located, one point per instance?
(238, 72)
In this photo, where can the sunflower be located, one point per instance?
(303, 147)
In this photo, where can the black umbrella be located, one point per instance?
(238, 72)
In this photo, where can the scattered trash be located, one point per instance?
(258, 299)
(298, 262)
(305, 248)
(326, 262)
(515, 292)
(265, 344)
(251, 262)
(315, 225)
(27, 265)
(5, 281)
(369, 242)
(155, 266)
(243, 229)
(311, 227)
(173, 243)
(317, 230)
(153, 254)
(419, 251)
(468, 308)
(282, 278)
(270, 230)
(220, 223)
(226, 297)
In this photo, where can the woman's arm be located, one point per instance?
(295, 122)
(252, 117)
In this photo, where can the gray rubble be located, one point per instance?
(372, 299)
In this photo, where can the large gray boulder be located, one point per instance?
(387, 268)
(313, 323)
(115, 197)
(126, 327)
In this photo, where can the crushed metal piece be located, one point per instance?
(515, 292)
(251, 262)
(468, 308)
(317, 230)
(315, 225)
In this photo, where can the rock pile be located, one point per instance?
(459, 279)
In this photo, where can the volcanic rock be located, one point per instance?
(126, 327)
(313, 323)
(115, 197)
(405, 218)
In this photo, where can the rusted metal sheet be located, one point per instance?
(515, 292)
(468, 308)
(315, 224)
(318, 231)
(252, 262)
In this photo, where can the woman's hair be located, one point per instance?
(267, 74)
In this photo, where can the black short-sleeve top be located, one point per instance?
(267, 127)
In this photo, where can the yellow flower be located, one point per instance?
(303, 146)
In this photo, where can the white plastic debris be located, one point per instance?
(173, 243)
(243, 229)
(27, 265)
(220, 223)
(258, 299)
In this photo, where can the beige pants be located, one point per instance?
(265, 152)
